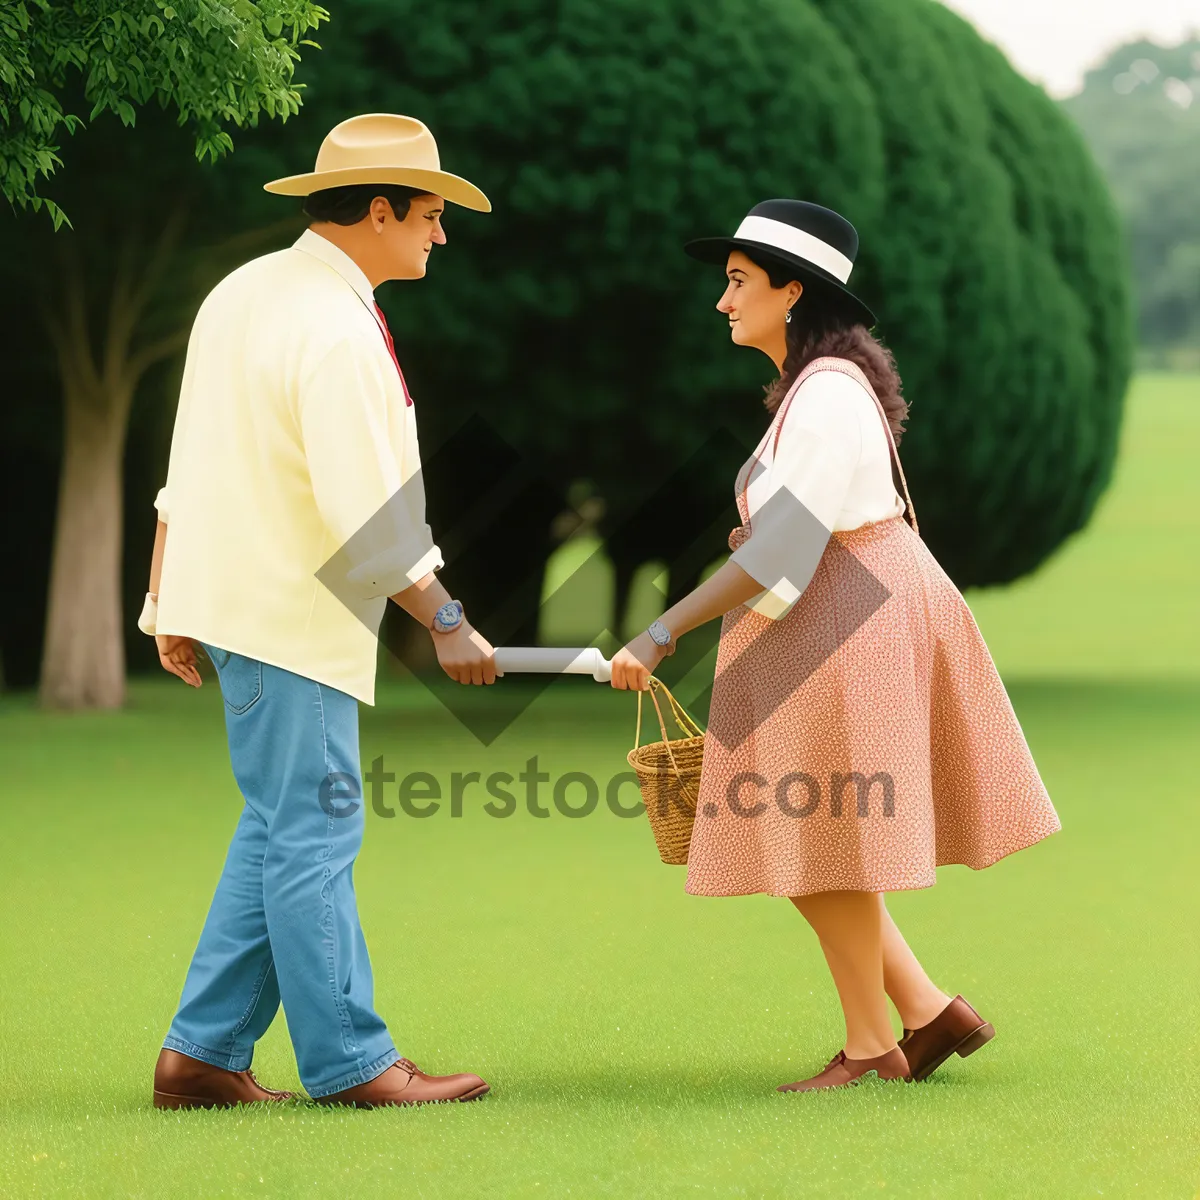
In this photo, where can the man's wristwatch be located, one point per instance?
(448, 618)
(662, 636)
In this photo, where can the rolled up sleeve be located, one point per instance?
(353, 437)
(160, 503)
(797, 505)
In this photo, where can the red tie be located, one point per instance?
(387, 337)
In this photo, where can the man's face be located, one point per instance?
(406, 244)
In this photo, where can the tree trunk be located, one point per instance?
(83, 663)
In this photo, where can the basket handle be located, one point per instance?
(690, 729)
(681, 715)
(637, 733)
(655, 684)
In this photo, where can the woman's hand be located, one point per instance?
(633, 664)
(178, 655)
(723, 590)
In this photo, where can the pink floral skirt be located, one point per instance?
(862, 740)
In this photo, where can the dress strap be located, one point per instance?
(747, 471)
(846, 367)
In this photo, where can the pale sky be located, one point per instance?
(1056, 41)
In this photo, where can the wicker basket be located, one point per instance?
(669, 777)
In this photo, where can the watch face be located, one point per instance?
(449, 614)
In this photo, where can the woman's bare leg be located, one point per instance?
(917, 999)
(849, 926)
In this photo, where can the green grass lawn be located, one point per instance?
(634, 1035)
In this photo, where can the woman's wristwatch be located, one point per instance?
(661, 636)
(448, 618)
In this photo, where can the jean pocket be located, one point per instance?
(241, 679)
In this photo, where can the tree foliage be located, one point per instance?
(1140, 111)
(214, 63)
(114, 293)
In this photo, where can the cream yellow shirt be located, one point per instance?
(294, 451)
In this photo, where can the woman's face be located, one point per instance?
(755, 309)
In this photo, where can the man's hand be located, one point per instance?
(633, 665)
(178, 655)
(465, 655)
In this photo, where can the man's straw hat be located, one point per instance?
(381, 148)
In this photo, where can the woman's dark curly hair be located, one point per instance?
(821, 327)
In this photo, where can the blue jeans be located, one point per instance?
(283, 924)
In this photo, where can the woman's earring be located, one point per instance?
(787, 317)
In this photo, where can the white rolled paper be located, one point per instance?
(553, 660)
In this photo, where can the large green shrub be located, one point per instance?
(996, 268)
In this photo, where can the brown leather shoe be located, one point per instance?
(957, 1029)
(405, 1083)
(181, 1081)
(842, 1071)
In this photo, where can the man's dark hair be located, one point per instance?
(348, 205)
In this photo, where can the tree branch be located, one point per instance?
(146, 356)
(64, 313)
(129, 299)
(164, 247)
(121, 316)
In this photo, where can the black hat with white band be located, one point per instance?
(819, 244)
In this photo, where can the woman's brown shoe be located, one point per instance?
(181, 1081)
(957, 1029)
(842, 1071)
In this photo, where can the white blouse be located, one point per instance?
(835, 461)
